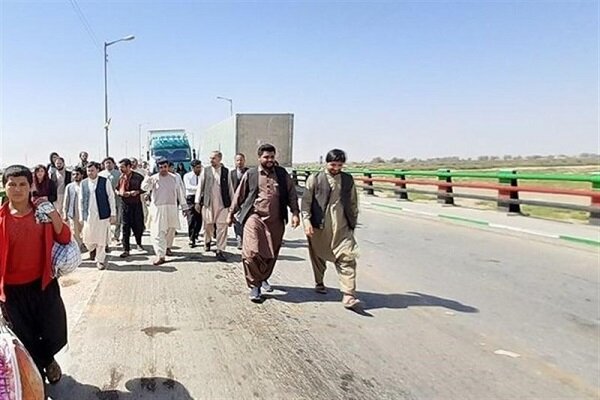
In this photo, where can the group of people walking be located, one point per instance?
(94, 197)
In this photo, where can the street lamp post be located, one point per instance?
(230, 103)
(106, 120)
(140, 133)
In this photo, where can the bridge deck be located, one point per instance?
(440, 300)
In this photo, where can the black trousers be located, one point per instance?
(38, 318)
(132, 221)
(194, 219)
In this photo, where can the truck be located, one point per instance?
(243, 133)
(172, 144)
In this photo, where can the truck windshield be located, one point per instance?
(173, 154)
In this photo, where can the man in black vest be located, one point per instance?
(263, 198)
(98, 212)
(213, 199)
(329, 213)
(236, 177)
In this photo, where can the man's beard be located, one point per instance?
(267, 166)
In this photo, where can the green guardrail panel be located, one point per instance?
(596, 180)
(593, 178)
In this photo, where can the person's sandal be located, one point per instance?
(320, 288)
(159, 261)
(351, 303)
(53, 372)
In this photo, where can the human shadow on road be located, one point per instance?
(131, 267)
(237, 258)
(370, 300)
(141, 267)
(150, 388)
(295, 243)
(189, 255)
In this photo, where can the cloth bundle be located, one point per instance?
(65, 257)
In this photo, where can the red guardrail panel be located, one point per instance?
(488, 186)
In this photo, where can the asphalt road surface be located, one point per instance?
(450, 312)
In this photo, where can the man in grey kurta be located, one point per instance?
(112, 173)
(213, 199)
(329, 212)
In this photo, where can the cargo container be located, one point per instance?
(243, 133)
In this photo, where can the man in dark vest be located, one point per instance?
(129, 189)
(329, 213)
(97, 212)
(213, 199)
(236, 177)
(263, 198)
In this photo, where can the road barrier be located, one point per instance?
(508, 187)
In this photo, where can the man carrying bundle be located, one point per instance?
(29, 294)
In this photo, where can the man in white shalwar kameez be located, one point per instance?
(166, 193)
(213, 200)
(97, 211)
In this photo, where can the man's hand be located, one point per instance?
(46, 207)
(126, 194)
(309, 231)
(134, 193)
(39, 201)
(113, 220)
(198, 208)
(295, 221)
(230, 219)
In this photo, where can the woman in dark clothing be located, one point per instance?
(52, 166)
(181, 170)
(43, 186)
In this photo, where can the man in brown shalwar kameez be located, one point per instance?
(329, 213)
(263, 197)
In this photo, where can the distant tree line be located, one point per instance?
(480, 162)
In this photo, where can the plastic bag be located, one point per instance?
(19, 376)
(10, 380)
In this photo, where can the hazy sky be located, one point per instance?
(404, 79)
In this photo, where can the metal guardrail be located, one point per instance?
(507, 187)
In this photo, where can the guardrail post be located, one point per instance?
(306, 175)
(402, 195)
(368, 189)
(510, 179)
(594, 218)
(443, 190)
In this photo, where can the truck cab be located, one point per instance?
(172, 144)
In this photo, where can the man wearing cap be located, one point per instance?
(194, 218)
(166, 193)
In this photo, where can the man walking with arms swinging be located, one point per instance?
(329, 213)
(263, 198)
